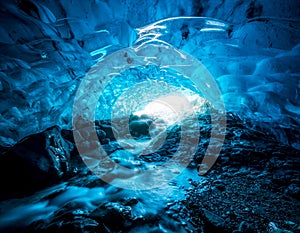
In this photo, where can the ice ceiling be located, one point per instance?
(47, 47)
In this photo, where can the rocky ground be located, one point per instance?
(253, 187)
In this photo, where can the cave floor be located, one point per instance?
(253, 187)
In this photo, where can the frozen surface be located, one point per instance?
(255, 59)
(251, 48)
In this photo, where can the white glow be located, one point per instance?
(174, 108)
(160, 110)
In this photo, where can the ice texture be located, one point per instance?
(47, 47)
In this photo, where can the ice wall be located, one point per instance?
(48, 46)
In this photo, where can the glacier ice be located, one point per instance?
(251, 48)
(47, 48)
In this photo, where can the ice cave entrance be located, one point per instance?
(150, 93)
(173, 108)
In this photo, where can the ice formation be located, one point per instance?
(42, 65)
(255, 62)
(251, 49)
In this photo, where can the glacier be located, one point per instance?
(255, 62)
(250, 48)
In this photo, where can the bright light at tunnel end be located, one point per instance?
(100, 75)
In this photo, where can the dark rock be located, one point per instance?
(212, 222)
(293, 190)
(220, 184)
(36, 162)
(102, 136)
(139, 128)
(245, 227)
(282, 176)
(114, 215)
(130, 201)
(105, 126)
(221, 187)
(112, 147)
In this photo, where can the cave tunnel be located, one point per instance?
(149, 116)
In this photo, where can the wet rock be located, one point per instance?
(37, 161)
(106, 131)
(139, 126)
(114, 215)
(102, 136)
(130, 201)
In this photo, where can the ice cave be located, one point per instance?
(150, 116)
